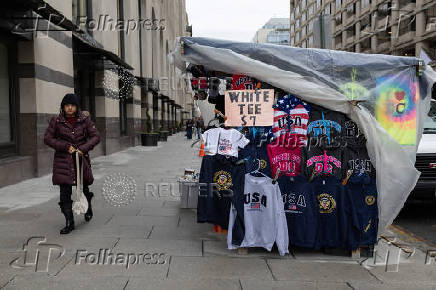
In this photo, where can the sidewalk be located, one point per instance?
(153, 244)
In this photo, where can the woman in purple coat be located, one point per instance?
(69, 132)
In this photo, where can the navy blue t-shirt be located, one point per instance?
(301, 209)
(325, 128)
(331, 211)
(256, 151)
(362, 197)
(238, 180)
(215, 193)
(352, 135)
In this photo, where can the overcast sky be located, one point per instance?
(232, 19)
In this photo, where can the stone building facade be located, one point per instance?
(397, 27)
(113, 53)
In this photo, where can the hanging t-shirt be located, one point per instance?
(325, 128)
(215, 193)
(285, 154)
(362, 196)
(242, 82)
(210, 140)
(298, 119)
(301, 209)
(324, 162)
(264, 216)
(255, 153)
(357, 159)
(331, 210)
(291, 115)
(353, 137)
(238, 181)
(281, 123)
(223, 141)
(289, 102)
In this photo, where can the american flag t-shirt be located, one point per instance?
(299, 117)
(281, 125)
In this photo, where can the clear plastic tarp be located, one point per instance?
(393, 98)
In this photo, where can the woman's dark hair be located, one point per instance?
(72, 99)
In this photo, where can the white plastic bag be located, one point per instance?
(80, 206)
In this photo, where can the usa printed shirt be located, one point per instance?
(242, 82)
(291, 115)
(264, 216)
(285, 154)
(281, 123)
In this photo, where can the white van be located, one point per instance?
(426, 158)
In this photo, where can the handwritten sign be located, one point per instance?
(249, 108)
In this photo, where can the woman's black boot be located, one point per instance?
(89, 213)
(69, 218)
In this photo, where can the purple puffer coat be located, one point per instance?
(60, 135)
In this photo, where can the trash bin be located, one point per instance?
(149, 139)
(163, 135)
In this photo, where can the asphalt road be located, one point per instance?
(419, 221)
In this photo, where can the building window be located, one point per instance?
(8, 91)
(366, 44)
(297, 24)
(292, 29)
(297, 10)
(327, 10)
(303, 17)
(310, 25)
(338, 19)
(5, 105)
(292, 16)
(338, 39)
(384, 9)
(351, 9)
(318, 3)
(310, 41)
(303, 44)
(123, 109)
(121, 37)
(310, 10)
(364, 3)
(303, 4)
(365, 22)
(407, 26)
(338, 4)
(82, 13)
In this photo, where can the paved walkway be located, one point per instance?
(153, 244)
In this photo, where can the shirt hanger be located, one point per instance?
(276, 176)
(257, 170)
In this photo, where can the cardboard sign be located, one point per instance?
(249, 108)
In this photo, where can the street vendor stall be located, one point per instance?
(375, 103)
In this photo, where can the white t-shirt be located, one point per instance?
(264, 216)
(223, 141)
